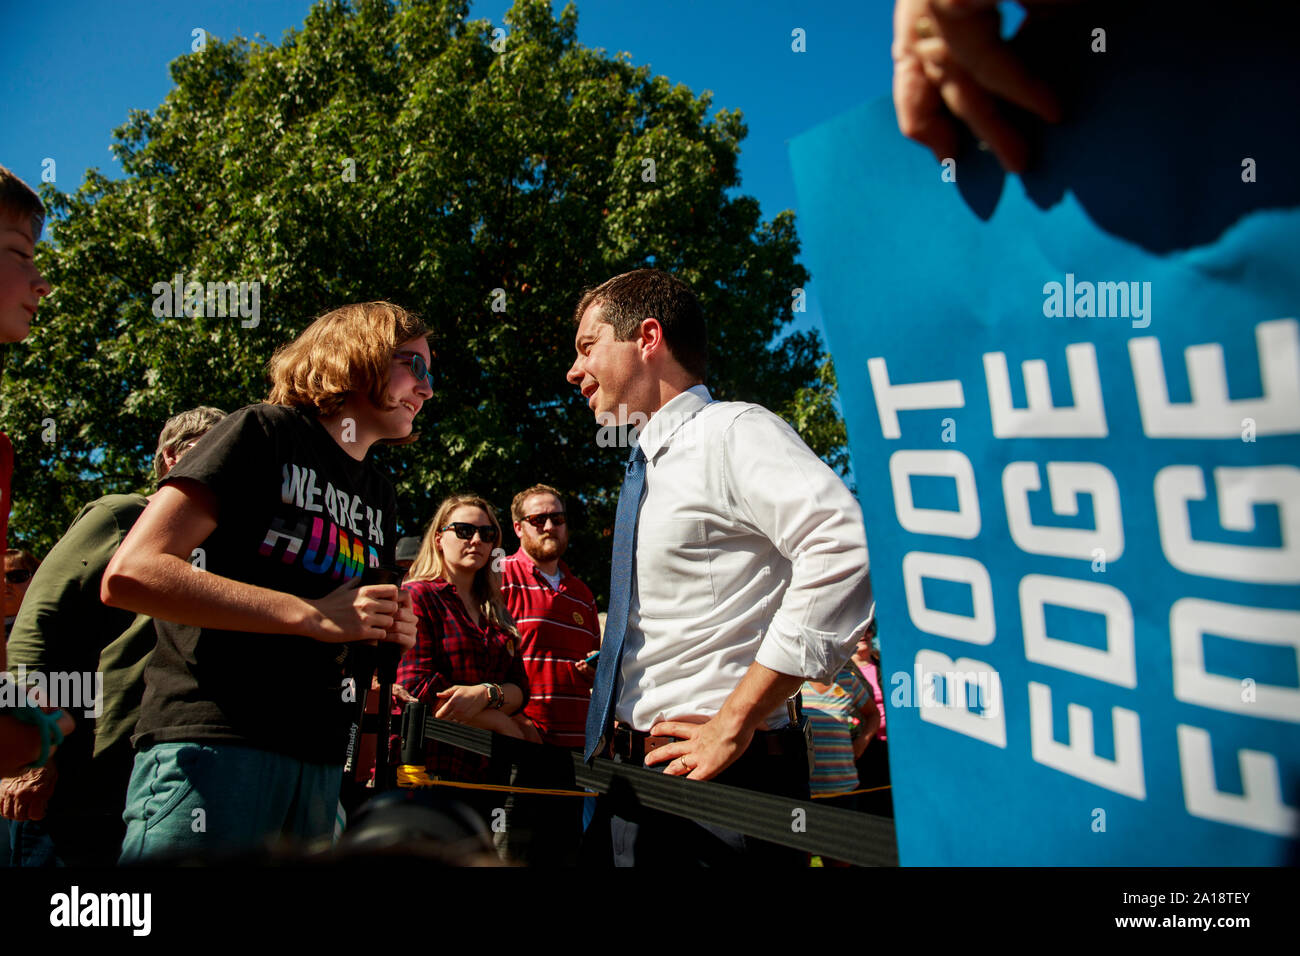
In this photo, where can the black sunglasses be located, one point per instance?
(18, 575)
(418, 366)
(465, 531)
(539, 521)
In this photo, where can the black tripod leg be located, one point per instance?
(364, 657)
(389, 655)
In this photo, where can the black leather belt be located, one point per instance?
(631, 745)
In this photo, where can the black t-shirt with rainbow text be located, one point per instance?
(295, 513)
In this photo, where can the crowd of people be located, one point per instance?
(739, 586)
(219, 611)
(739, 615)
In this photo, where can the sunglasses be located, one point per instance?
(465, 531)
(18, 575)
(417, 365)
(539, 521)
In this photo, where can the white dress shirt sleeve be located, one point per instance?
(781, 489)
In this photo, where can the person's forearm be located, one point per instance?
(171, 589)
(759, 693)
(422, 684)
(514, 698)
(20, 743)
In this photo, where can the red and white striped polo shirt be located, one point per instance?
(559, 627)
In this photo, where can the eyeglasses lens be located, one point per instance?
(421, 369)
(539, 521)
(465, 531)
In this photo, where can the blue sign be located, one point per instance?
(1074, 415)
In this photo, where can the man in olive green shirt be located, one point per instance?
(70, 810)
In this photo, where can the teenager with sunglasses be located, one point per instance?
(246, 709)
(465, 662)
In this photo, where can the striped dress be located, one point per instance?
(832, 716)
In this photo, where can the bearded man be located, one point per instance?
(559, 627)
(556, 616)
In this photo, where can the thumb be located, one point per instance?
(444, 693)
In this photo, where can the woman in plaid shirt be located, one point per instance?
(465, 661)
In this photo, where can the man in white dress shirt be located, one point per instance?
(750, 574)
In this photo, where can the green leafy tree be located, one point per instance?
(814, 416)
(401, 152)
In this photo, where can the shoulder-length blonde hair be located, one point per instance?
(486, 589)
(348, 350)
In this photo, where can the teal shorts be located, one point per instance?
(219, 800)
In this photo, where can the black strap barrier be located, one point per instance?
(860, 838)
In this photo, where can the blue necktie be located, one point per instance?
(601, 712)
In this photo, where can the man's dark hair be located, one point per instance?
(628, 299)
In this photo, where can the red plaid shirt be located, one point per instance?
(558, 627)
(451, 649)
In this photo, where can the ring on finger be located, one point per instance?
(923, 28)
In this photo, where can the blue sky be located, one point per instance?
(71, 69)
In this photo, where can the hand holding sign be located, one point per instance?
(950, 53)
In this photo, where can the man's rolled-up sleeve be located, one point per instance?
(780, 488)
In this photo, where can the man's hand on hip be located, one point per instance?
(707, 746)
